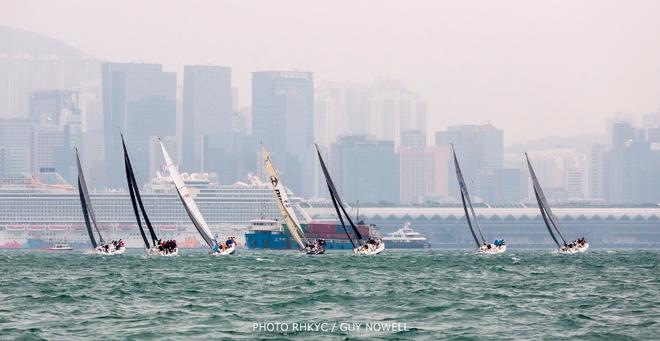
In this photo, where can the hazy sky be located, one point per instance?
(534, 68)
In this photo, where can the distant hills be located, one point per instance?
(16, 41)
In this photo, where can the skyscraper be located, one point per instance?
(48, 143)
(207, 113)
(622, 132)
(283, 120)
(394, 109)
(631, 174)
(365, 169)
(58, 131)
(479, 148)
(139, 99)
(423, 173)
(596, 168)
(16, 139)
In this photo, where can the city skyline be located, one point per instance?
(376, 135)
(523, 67)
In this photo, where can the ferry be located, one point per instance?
(406, 238)
(267, 234)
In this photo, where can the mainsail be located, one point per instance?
(136, 199)
(548, 217)
(86, 204)
(470, 215)
(286, 209)
(337, 203)
(187, 200)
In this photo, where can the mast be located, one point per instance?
(88, 211)
(548, 217)
(136, 199)
(339, 205)
(465, 198)
(283, 204)
(187, 200)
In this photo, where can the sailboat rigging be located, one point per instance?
(164, 248)
(101, 247)
(291, 220)
(191, 208)
(371, 246)
(498, 245)
(550, 220)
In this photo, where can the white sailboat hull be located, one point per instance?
(110, 252)
(583, 248)
(154, 251)
(572, 250)
(229, 251)
(493, 249)
(370, 250)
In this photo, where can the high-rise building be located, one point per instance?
(140, 100)
(207, 113)
(47, 145)
(413, 139)
(283, 120)
(393, 109)
(499, 185)
(58, 131)
(383, 109)
(479, 147)
(557, 170)
(365, 169)
(21, 76)
(630, 174)
(574, 183)
(596, 168)
(622, 132)
(16, 139)
(93, 157)
(423, 173)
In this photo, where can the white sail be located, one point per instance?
(283, 203)
(187, 200)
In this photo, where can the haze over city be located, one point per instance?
(347, 169)
(533, 69)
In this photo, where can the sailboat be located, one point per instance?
(158, 247)
(286, 210)
(498, 246)
(102, 247)
(550, 220)
(193, 211)
(372, 246)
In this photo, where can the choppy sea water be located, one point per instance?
(415, 294)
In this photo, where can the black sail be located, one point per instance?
(134, 203)
(545, 219)
(339, 205)
(86, 204)
(548, 217)
(136, 199)
(341, 219)
(470, 215)
(88, 223)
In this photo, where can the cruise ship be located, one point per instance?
(406, 238)
(39, 212)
